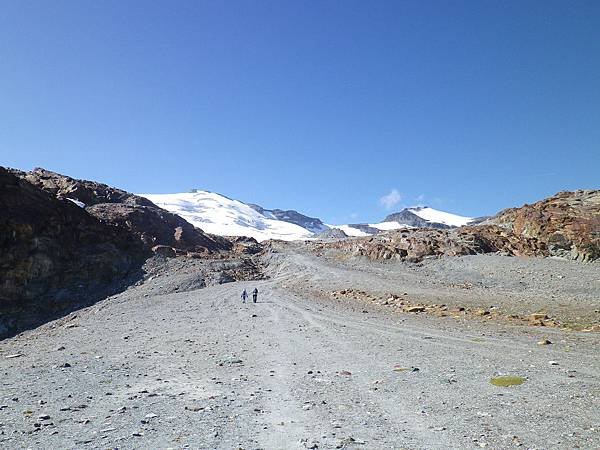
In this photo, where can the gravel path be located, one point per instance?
(199, 369)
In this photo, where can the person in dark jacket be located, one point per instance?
(254, 295)
(244, 296)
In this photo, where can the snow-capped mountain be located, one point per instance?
(217, 214)
(220, 215)
(417, 217)
(424, 216)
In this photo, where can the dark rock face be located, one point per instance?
(406, 217)
(312, 224)
(568, 223)
(54, 256)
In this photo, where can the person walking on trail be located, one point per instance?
(254, 295)
(244, 296)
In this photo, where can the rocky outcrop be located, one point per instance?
(87, 192)
(54, 256)
(416, 244)
(568, 224)
(137, 215)
(155, 226)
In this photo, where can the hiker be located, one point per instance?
(244, 296)
(254, 295)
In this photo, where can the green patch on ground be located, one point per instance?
(506, 381)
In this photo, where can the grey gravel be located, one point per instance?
(198, 371)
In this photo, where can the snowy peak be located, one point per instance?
(436, 216)
(424, 216)
(220, 215)
(417, 217)
(223, 216)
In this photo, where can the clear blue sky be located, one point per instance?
(321, 106)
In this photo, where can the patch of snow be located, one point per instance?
(77, 202)
(386, 226)
(433, 215)
(350, 231)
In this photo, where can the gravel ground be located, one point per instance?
(155, 367)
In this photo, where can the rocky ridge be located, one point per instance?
(152, 225)
(567, 223)
(415, 244)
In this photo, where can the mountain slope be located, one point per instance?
(217, 214)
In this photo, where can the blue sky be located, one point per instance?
(322, 106)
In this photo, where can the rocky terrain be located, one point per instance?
(331, 356)
(568, 223)
(66, 243)
(415, 244)
(133, 334)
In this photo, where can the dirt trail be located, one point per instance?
(200, 369)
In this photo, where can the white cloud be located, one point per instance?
(354, 215)
(391, 199)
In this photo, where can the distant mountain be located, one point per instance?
(426, 217)
(417, 217)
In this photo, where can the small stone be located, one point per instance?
(553, 363)
(194, 408)
(43, 417)
(544, 342)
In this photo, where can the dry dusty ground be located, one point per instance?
(154, 368)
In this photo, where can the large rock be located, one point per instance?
(568, 223)
(54, 256)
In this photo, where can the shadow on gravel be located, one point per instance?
(35, 313)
